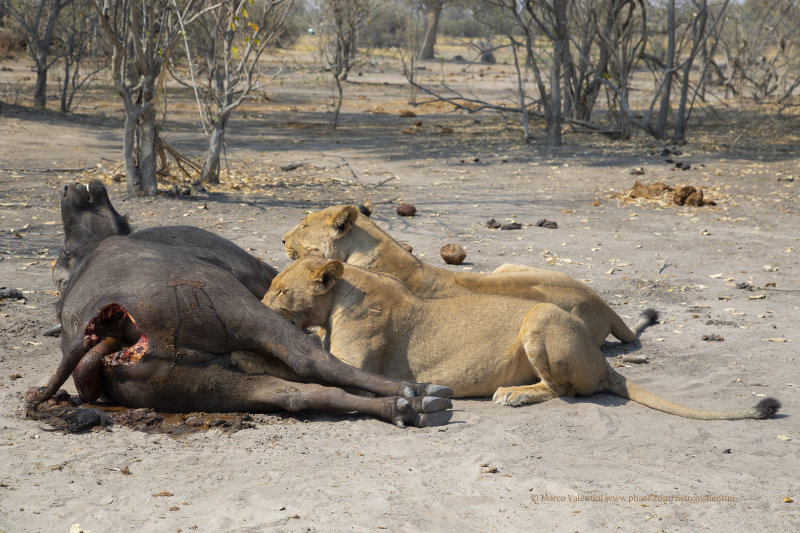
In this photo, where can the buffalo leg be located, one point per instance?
(213, 388)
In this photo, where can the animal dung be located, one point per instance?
(663, 193)
(13, 294)
(453, 254)
(511, 225)
(492, 224)
(640, 190)
(544, 223)
(688, 195)
(406, 210)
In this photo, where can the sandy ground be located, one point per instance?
(584, 464)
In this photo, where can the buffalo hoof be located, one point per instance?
(422, 412)
(413, 390)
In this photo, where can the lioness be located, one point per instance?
(339, 232)
(515, 350)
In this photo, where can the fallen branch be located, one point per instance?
(344, 163)
(5, 169)
(180, 160)
(638, 359)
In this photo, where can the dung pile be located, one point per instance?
(660, 192)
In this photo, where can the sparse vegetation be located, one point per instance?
(615, 67)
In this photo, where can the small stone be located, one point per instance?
(453, 254)
(406, 210)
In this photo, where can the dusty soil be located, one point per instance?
(725, 279)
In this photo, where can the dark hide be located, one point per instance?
(88, 218)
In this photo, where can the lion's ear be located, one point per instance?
(344, 219)
(327, 275)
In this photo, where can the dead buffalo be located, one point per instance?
(149, 322)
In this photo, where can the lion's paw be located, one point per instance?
(509, 396)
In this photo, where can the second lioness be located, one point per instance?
(517, 351)
(339, 232)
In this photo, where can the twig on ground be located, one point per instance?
(383, 182)
(6, 169)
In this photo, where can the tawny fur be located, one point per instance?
(514, 350)
(339, 232)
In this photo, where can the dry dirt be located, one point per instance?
(725, 279)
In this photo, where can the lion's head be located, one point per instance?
(320, 233)
(301, 292)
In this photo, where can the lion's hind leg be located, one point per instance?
(560, 350)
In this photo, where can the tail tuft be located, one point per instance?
(650, 315)
(647, 318)
(767, 408)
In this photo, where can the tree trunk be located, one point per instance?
(210, 172)
(132, 177)
(338, 107)
(139, 138)
(40, 90)
(588, 95)
(116, 65)
(148, 136)
(660, 131)
(698, 35)
(432, 13)
(521, 89)
(41, 47)
(559, 50)
(65, 101)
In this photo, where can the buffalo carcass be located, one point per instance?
(146, 323)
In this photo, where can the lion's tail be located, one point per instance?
(621, 331)
(622, 386)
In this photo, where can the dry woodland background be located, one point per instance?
(724, 276)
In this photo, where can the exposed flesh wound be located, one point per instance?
(110, 320)
(105, 339)
(130, 355)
